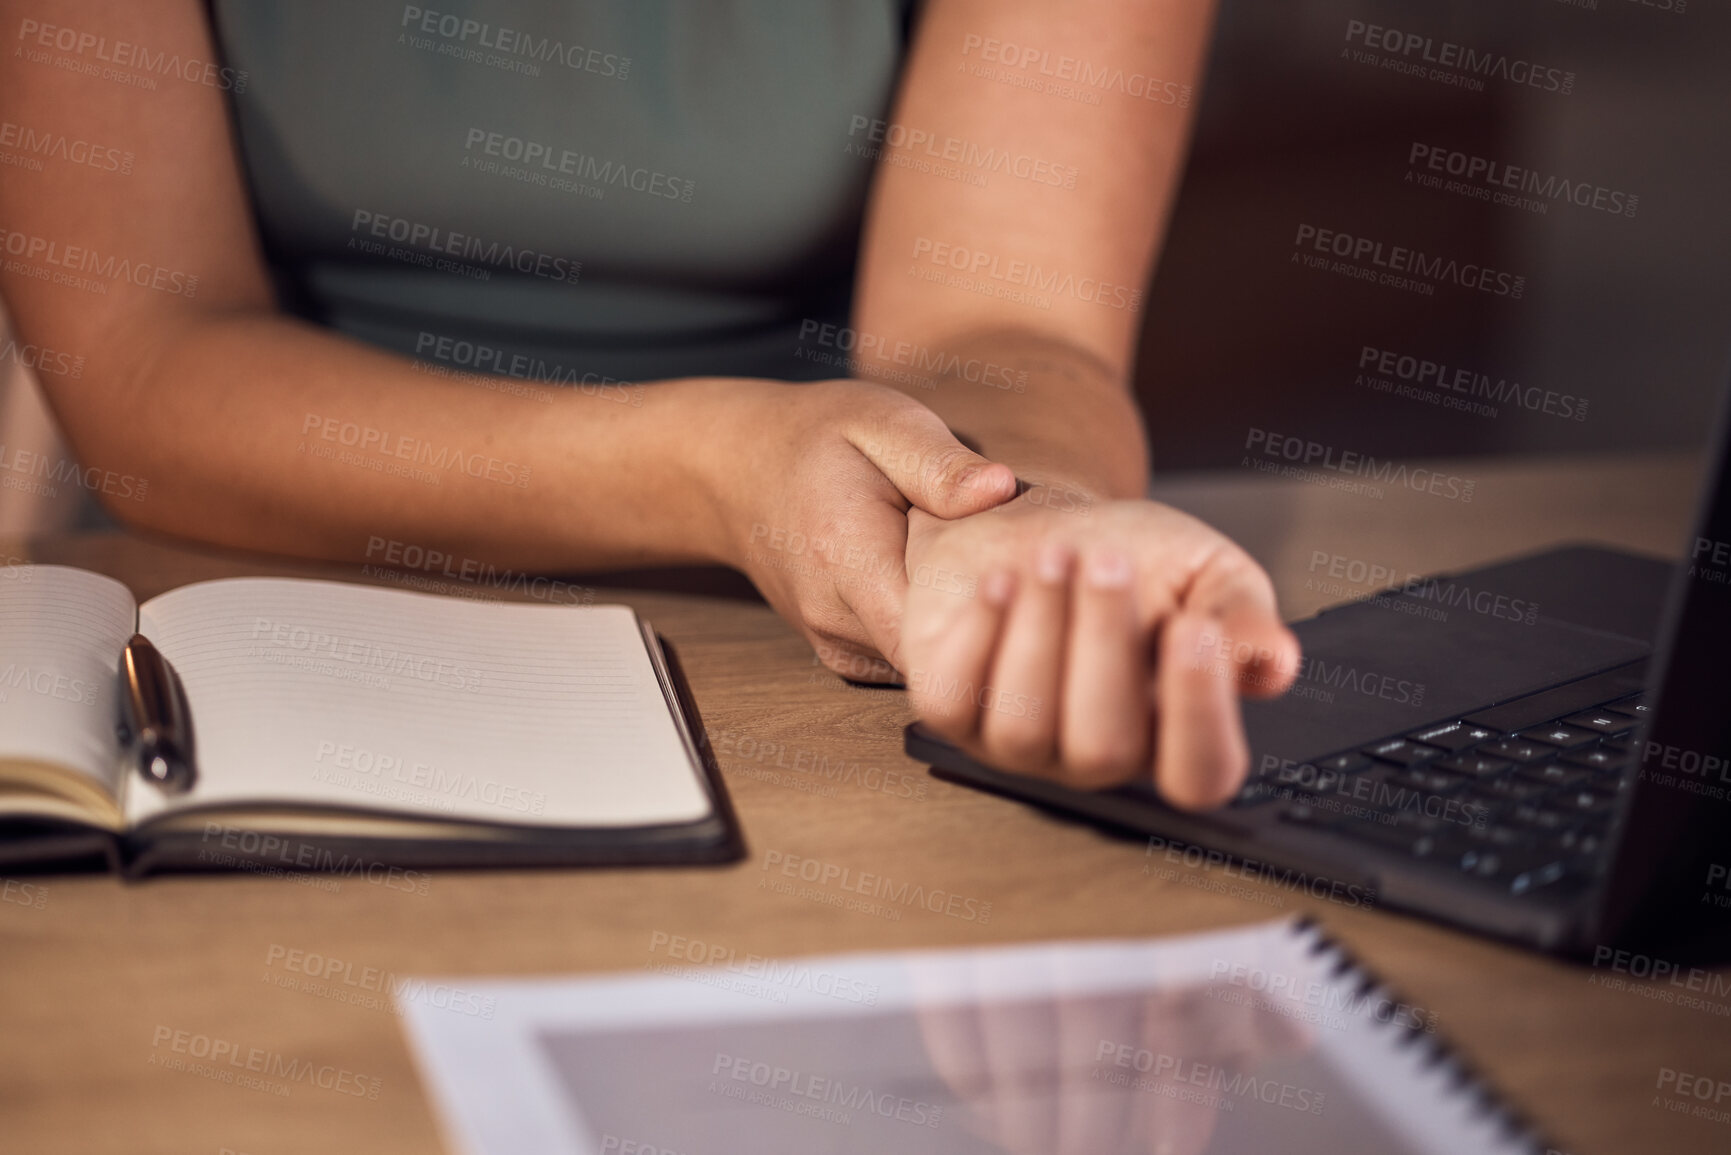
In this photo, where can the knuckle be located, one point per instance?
(945, 464)
(827, 622)
(1093, 765)
(851, 659)
(949, 718)
(1017, 744)
(1243, 571)
(1204, 790)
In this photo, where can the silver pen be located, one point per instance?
(155, 721)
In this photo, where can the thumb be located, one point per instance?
(934, 471)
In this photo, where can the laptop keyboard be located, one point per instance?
(1519, 804)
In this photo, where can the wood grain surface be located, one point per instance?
(93, 968)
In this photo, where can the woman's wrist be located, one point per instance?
(731, 433)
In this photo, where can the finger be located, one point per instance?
(1029, 667)
(871, 577)
(948, 691)
(1200, 755)
(855, 661)
(1103, 724)
(1263, 654)
(913, 447)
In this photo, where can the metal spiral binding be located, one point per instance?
(1461, 1075)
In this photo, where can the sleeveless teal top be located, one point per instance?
(565, 190)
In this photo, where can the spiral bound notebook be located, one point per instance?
(1265, 1038)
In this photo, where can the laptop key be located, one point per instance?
(1607, 785)
(1473, 765)
(1509, 789)
(1583, 841)
(1402, 752)
(1530, 880)
(1599, 758)
(1603, 721)
(1585, 802)
(1635, 706)
(1480, 812)
(1257, 793)
(1348, 763)
(1452, 736)
(1541, 817)
(1519, 750)
(1506, 866)
(1560, 736)
(1483, 862)
(1554, 774)
(1427, 781)
(1498, 835)
(1400, 839)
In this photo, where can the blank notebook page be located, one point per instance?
(436, 708)
(61, 633)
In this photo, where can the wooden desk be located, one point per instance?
(90, 975)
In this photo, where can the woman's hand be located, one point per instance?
(814, 484)
(1095, 645)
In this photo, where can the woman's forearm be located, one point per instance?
(256, 431)
(1056, 414)
(1012, 231)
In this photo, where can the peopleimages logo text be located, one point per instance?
(1419, 48)
(878, 886)
(59, 146)
(1315, 455)
(273, 1064)
(515, 42)
(1440, 375)
(963, 152)
(432, 240)
(41, 358)
(1025, 274)
(1498, 175)
(1409, 262)
(556, 160)
(124, 54)
(106, 268)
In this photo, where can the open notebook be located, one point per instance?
(339, 724)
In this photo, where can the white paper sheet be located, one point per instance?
(1239, 1041)
(439, 708)
(61, 633)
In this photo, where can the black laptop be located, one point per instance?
(1538, 750)
(1563, 782)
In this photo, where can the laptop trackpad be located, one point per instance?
(1376, 669)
